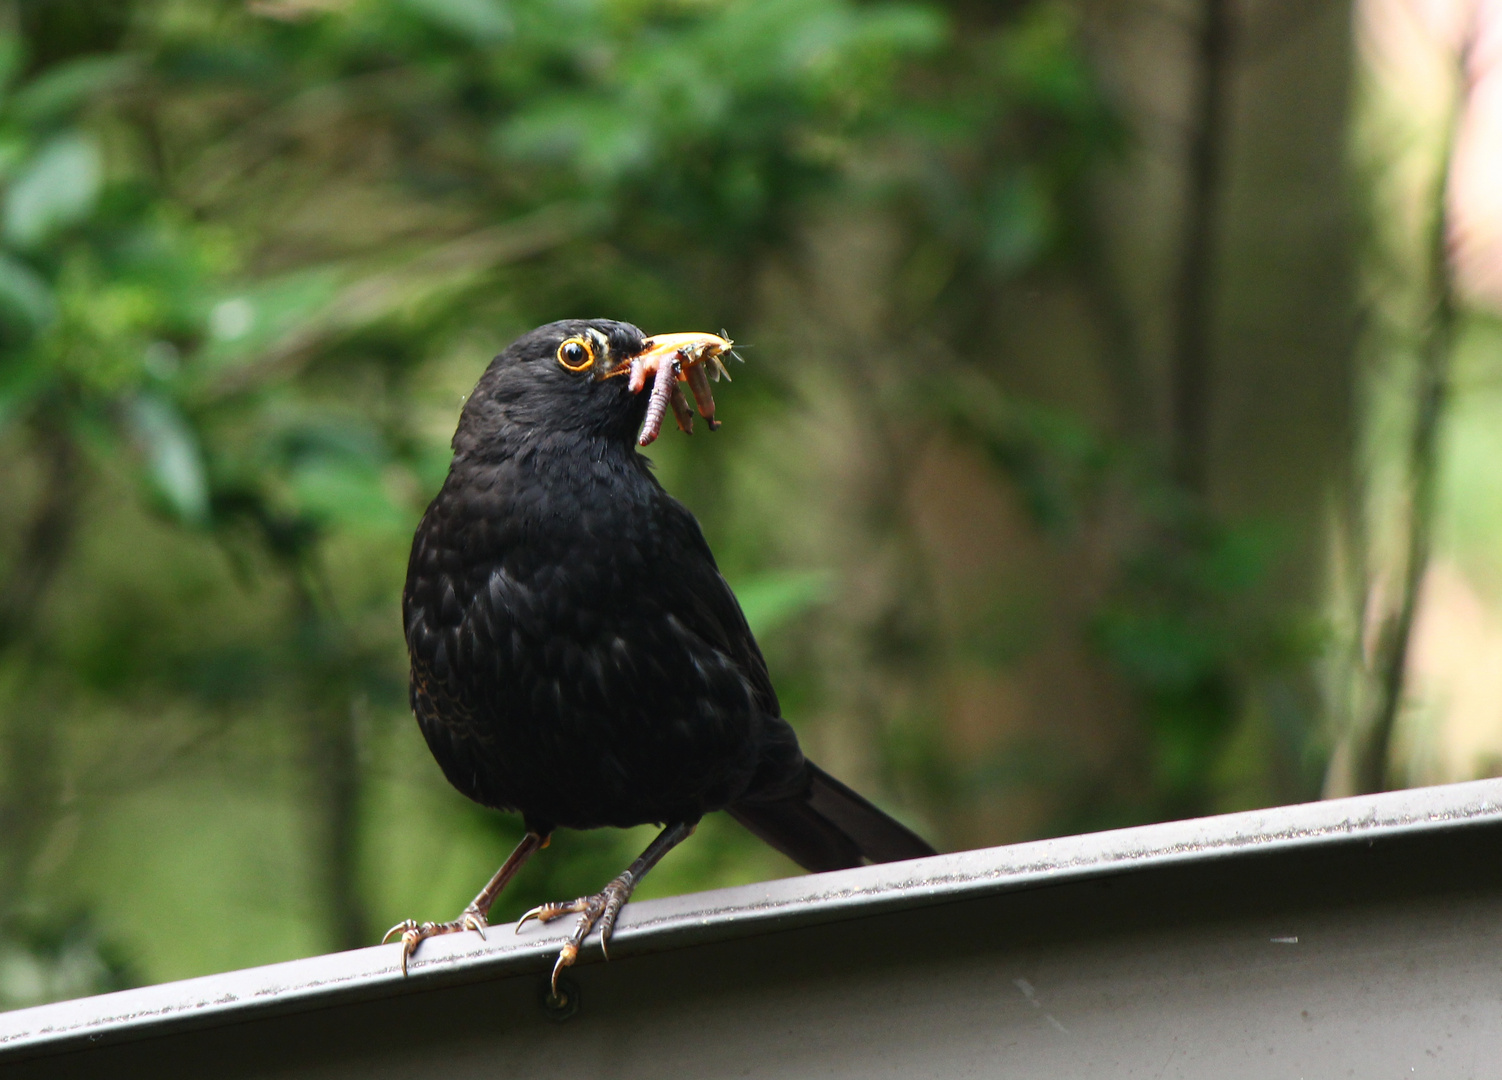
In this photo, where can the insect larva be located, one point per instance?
(681, 412)
(698, 382)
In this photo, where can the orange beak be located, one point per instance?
(665, 361)
(686, 350)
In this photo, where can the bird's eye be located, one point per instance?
(576, 354)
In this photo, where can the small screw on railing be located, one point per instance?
(563, 1004)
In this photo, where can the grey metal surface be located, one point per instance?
(1357, 937)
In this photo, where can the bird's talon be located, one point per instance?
(535, 913)
(566, 957)
(599, 911)
(607, 927)
(546, 913)
(400, 928)
(414, 933)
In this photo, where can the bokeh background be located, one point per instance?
(1119, 436)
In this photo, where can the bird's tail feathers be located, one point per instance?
(828, 826)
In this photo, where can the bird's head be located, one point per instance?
(584, 376)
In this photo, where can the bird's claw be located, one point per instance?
(546, 913)
(414, 933)
(566, 957)
(404, 925)
(601, 909)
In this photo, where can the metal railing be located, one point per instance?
(1355, 937)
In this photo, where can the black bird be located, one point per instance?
(576, 655)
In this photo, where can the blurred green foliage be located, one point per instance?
(255, 253)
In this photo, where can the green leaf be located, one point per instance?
(174, 462)
(484, 22)
(26, 301)
(346, 493)
(601, 139)
(62, 89)
(22, 379)
(244, 327)
(58, 188)
(12, 57)
(1018, 220)
(773, 599)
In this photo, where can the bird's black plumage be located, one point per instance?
(576, 655)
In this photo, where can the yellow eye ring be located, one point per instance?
(576, 354)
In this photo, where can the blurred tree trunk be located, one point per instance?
(1393, 525)
(334, 768)
(1246, 235)
(336, 776)
(47, 535)
(30, 786)
(1372, 753)
(1206, 133)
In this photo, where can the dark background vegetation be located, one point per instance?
(1082, 471)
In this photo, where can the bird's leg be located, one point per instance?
(604, 907)
(475, 915)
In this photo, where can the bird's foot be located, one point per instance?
(414, 933)
(601, 909)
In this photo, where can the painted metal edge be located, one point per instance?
(675, 922)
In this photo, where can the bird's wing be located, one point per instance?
(433, 616)
(701, 597)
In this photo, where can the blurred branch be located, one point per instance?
(335, 771)
(29, 795)
(48, 535)
(29, 801)
(1189, 415)
(1136, 416)
(1277, 25)
(338, 781)
(445, 266)
(1432, 392)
